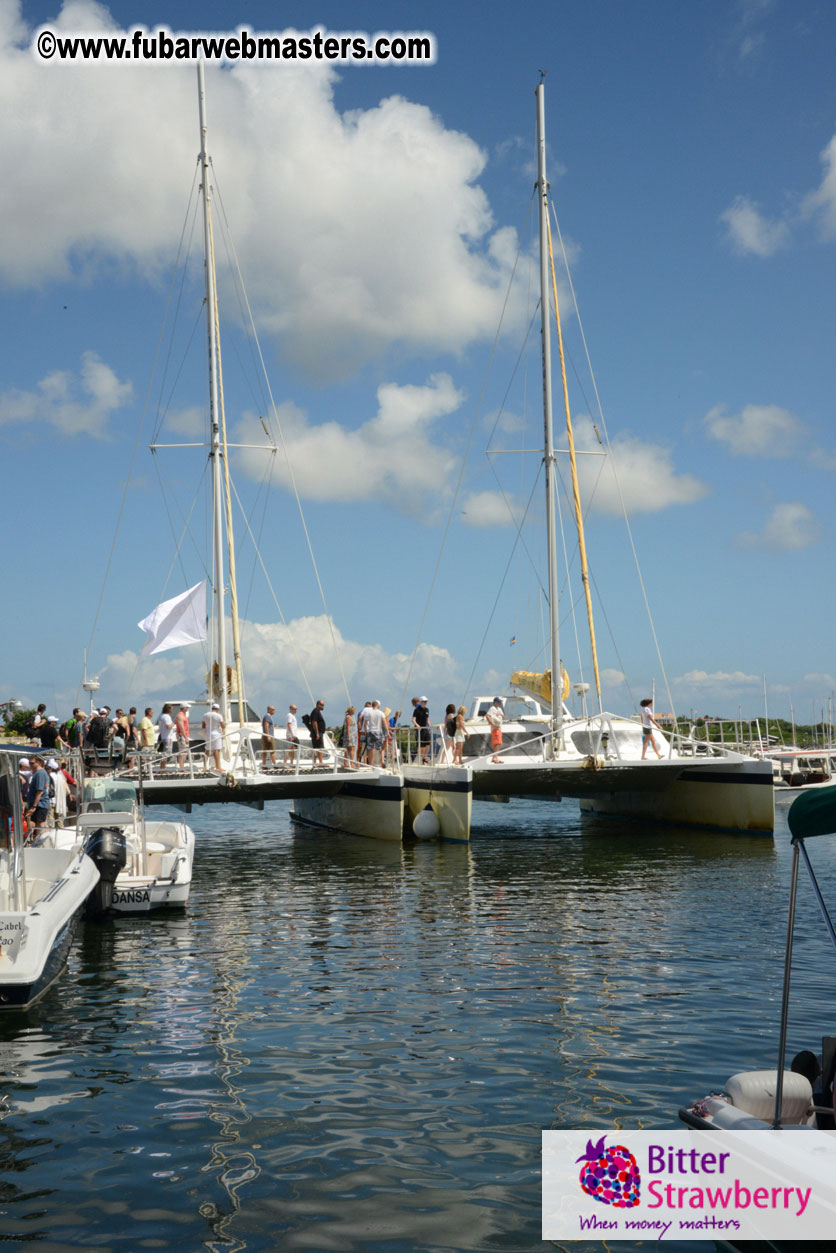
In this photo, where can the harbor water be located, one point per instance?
(347, 1045)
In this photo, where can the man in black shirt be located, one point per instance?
(317, 728)
(421, 720)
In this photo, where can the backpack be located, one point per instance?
(97, 732)
(306, 718)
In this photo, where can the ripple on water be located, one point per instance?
(351, 1046)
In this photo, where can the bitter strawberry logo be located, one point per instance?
(610, 1175)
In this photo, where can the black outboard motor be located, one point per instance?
(107, 849)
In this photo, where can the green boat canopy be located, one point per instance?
(813, 813)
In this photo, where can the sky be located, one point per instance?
(382, 221)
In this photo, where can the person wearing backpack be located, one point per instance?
(317, 729)
(449, 731)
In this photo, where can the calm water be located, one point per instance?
(348, 1046)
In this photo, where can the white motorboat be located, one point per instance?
(42, 894)
(153, 868)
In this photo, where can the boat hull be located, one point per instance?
(35, 941)
(370, 806)
(448, 790)
(728, 796)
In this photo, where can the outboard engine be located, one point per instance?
(107, 849)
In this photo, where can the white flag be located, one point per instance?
(181, 620)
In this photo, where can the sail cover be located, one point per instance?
(181, 620)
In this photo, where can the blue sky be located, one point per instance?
(377, 213)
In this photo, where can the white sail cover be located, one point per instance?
(181, 620)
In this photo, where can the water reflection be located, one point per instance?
(347, 1044)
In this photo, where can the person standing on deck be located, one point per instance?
(268, 743)
(183, 733)
(165, 726)
(214, 727)
(376, 733)
(292, 736)
(147, 732)
(38, 797)
(421, 722)
(648, 723)
(495, 718)
(350, 738)
(317, 728)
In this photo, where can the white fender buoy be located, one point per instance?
(425, 826)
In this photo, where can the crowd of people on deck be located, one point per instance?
(371, 737)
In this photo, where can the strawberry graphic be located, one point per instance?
(610, 1175)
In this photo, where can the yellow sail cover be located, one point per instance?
(539, 685)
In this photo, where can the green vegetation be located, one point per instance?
(19, 722)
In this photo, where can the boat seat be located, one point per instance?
(151, 846)
(754, 1092)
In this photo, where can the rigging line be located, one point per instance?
(162, 408)
(255, 373)
(498, 595)
(457, 488)
(193, 200)
(526, 337)
(527, 551)
(264, 488)
(178, 546)
(615, 473)
(273, 594)
(140, 425)
(614, 643)
(184, 519)
(273, 412)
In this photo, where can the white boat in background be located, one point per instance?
(800, 770)
(42, 894)
(153, 869)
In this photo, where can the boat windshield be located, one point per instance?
(109, 796)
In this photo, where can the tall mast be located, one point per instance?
(548, 445)
(214, 409)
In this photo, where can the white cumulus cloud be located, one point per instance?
(719, 679)
(789, 527)
(757, 431)
(73, 404)
(646, 475)
(748, 231)
(398, 456)
(821, 203)
(358, 231)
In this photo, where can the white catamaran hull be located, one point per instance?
(447, 790)
(728, 796)
(370, 806)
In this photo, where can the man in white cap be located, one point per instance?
(60, 792)
(214, 727)
(495, 718)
